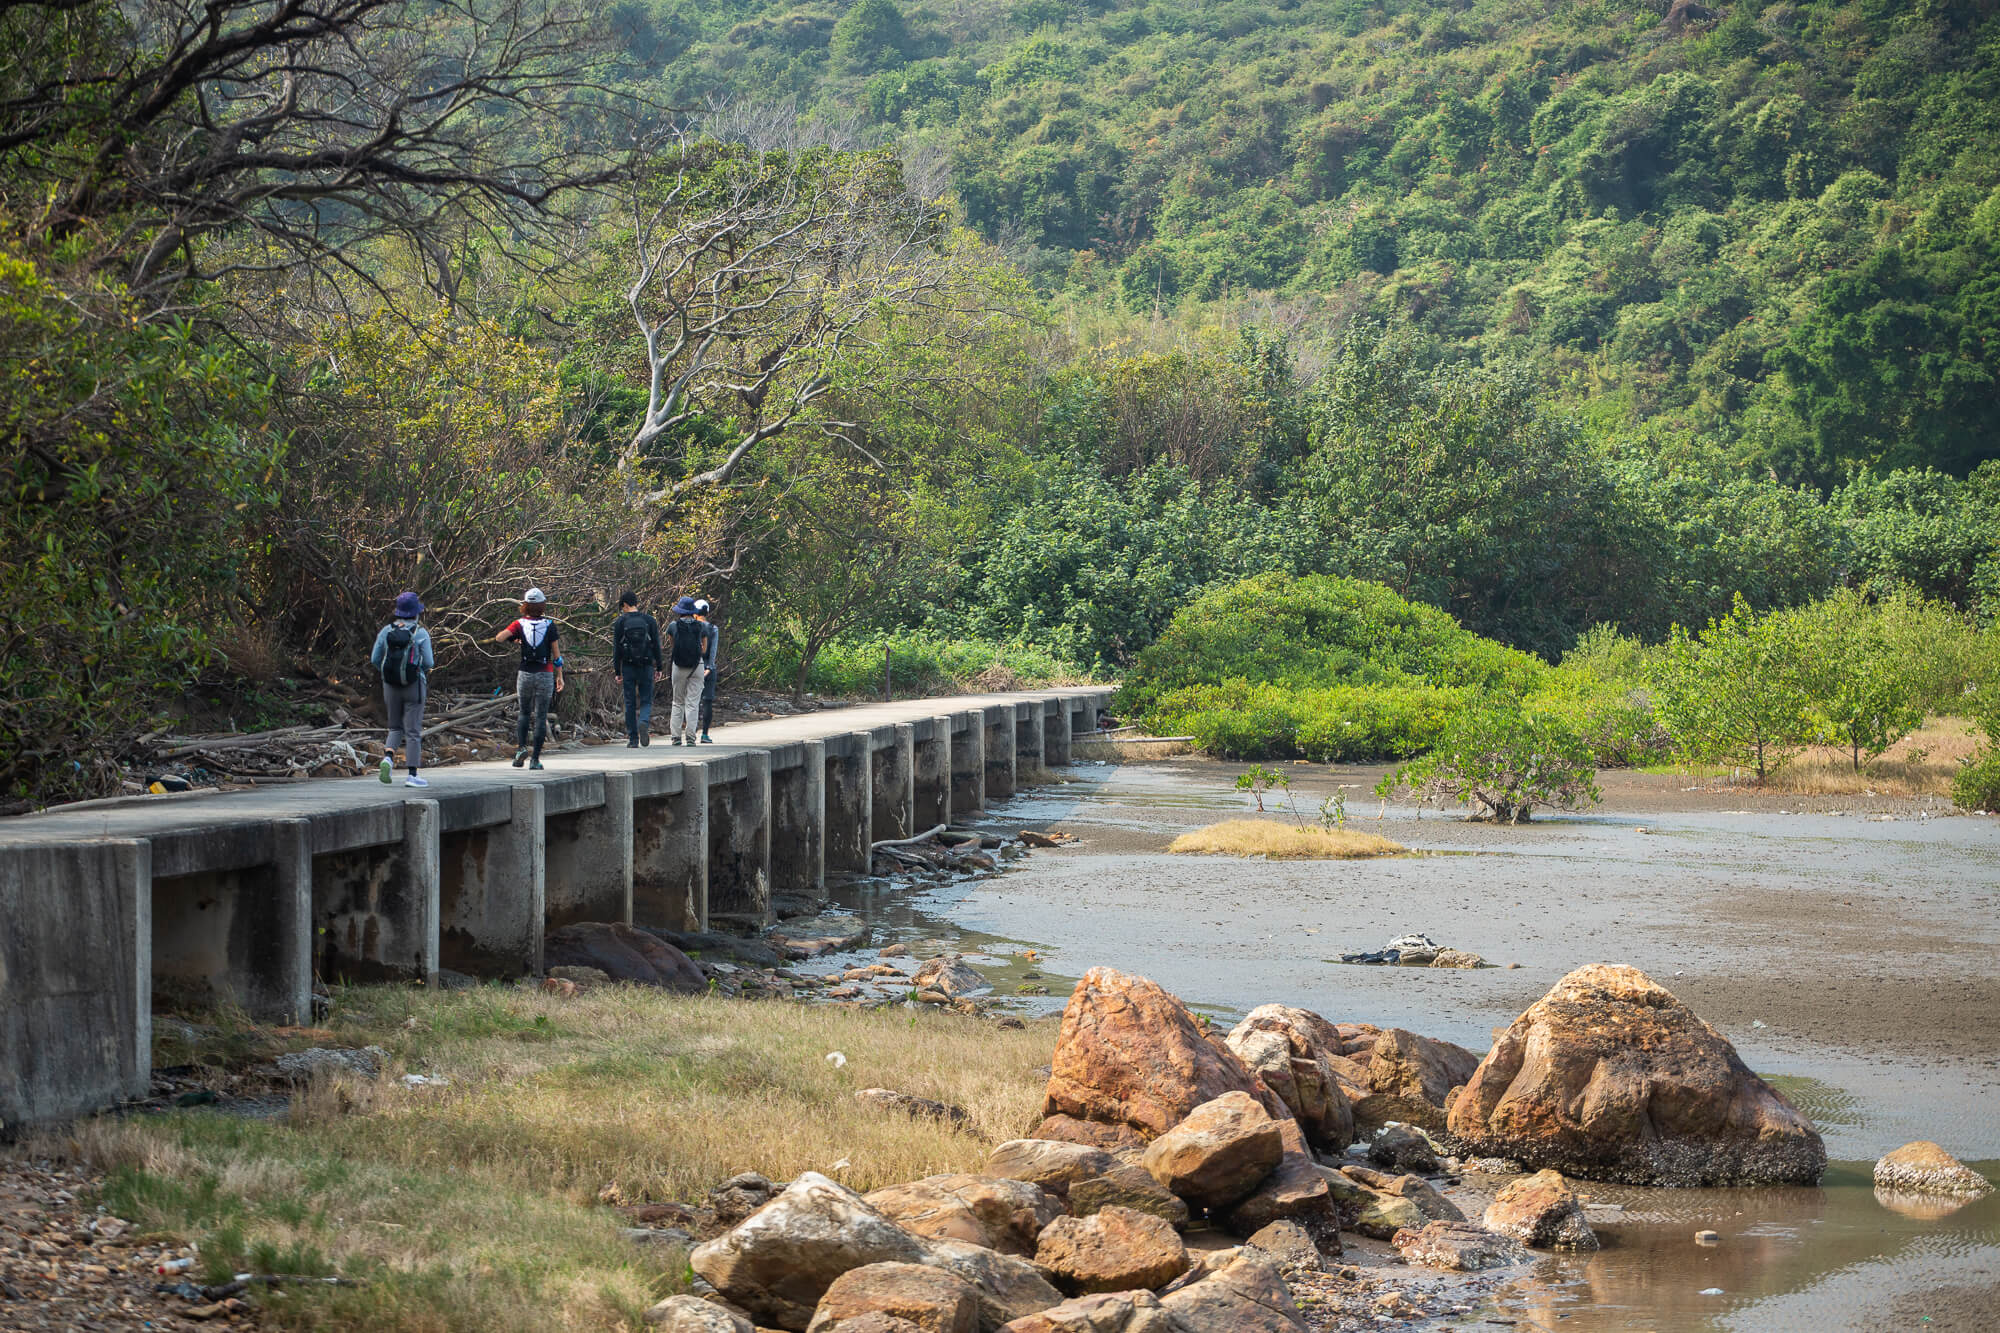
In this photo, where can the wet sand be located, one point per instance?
(1851, 951)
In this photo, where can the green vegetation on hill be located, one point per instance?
(1769, 229)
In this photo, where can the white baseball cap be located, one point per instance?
(533, 595)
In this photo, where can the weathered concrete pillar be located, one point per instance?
(1082, 718)
(931, 773)
(893, 768)
(421, 862)
(798, 819)
(1055, 733)
(739, 838)
(76, 990)
(242, 934)
(1027, 739)
(670, 848)
(588, 859)
(1000, 744)
(375, 899)
(850, 819)
(968, 763)
(493, 893)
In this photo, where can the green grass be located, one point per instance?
(480, 1205)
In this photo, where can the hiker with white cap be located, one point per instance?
(707, 617)
(688, 641)
(403, 656)
(540, 676)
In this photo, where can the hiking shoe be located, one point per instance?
(520, 758)
(414, 781)
(705, 739)
(631, 745)
(534, 763)
(646, 739)
(387, 771)
(675, 741)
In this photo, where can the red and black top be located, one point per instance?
(538, 643)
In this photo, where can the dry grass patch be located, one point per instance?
(1126, 752)
(1282, 842)
(476, 1205)
(1921, 764)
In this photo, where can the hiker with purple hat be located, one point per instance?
(688, 641)
(403, 657)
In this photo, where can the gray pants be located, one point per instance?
(536, 690)
(685, 716)
(405, 705)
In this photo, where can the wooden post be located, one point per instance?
(888, 695)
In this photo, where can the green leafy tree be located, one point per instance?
(1738, 692)
(1459, 488)
(872, 35)
(1857, 676)
(1502, 761)
(133, 486)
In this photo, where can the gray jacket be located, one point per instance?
(420, 641)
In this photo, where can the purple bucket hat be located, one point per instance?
(408, 607)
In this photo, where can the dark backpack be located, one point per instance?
(535, 656)
(689, 635)
(635, 639)
(399, 657)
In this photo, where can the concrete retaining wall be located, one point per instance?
(244, 898)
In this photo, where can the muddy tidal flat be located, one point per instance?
(1850, 950)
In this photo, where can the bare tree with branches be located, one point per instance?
(766, 281)
(208, 138)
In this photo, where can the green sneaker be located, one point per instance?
(388, 770)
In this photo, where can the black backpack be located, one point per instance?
(635, 640)
(399, 657)
(688, 636)
(535, 656)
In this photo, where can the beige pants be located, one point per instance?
(684, 717)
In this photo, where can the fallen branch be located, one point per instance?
(905, 842)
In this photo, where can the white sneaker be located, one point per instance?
(414, 781)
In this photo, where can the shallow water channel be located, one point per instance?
(1852, 960)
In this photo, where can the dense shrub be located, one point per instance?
(1342, 724)
(1318, 632)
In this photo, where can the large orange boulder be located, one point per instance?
(1289, 1049)
(1131, 1056)
(1410, 1078)
(1218, 1155)
(1609, 1077)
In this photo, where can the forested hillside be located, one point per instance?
(1767, 228)
(992, 332)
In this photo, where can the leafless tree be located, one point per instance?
(206, 138)
(766, 281)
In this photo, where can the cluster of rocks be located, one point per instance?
(66, 1265)
(1153, 1127)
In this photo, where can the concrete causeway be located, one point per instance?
(246, 897)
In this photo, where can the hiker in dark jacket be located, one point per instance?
(403, 656)
(635, 658)
(708, 679)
